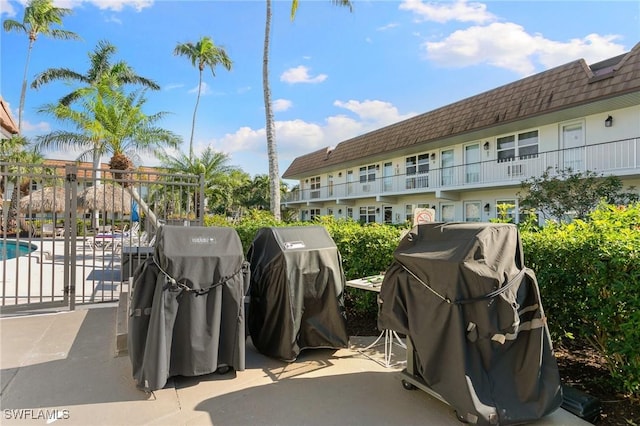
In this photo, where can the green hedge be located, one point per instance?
(589, 276)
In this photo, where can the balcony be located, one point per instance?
(621, 158)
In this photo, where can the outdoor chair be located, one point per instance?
(49, 230)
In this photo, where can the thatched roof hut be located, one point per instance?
(105, 198)
(47, 199)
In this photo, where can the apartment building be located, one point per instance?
(465, 159)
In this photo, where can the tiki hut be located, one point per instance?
(105, 198)
(46, 200)
(50, 199)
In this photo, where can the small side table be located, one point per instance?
(391, 338)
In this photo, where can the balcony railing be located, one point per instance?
(608, 158)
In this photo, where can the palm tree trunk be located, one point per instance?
(23, 91)
(193, 122)
(274, 173)
(95, 216)
(144, 207)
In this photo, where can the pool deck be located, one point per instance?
(63, 364)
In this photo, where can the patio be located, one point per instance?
(63, 364)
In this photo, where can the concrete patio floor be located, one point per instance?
(66, 361)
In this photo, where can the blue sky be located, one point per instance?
(335, 74)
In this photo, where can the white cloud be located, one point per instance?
(205, 89)
(298, 137)
(282, 105)
(509, 46)
(41, 127)
(378, 112)
(7, 9)
(593, 48)
(118, 5)
(387, 27)
(300, 74)
(442, 12)
(172, 86)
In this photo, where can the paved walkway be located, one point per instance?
(64, 364)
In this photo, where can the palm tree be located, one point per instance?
(212, 164)
(202, 54)
(113, 124)
(101, 74)
(20, 161)
(102, 80)
(39, 16)
(272, 152)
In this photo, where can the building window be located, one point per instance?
(329, 211)
(408, 212)
(447, 213)
(368, 173)
(506, 210)
(472, 211)
(314, 186)
(388, 214)
(520, 146)
(313, 213)
(417, 171)
(350, 212)
(330, 185)
(304, 215)
(367, 214)
(446, 163)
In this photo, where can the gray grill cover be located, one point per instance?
(297, 292)
(188, 332)
(461, 293)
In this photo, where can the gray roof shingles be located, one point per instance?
(559, 88)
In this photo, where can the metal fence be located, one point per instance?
(72, 234)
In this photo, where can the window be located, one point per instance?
(330, 185)
(446, 162)
(417, 171)
(368, 173)
(329, 211)
(447, 212)
(349, 182)
(472, 211)
(350, 212)
(315, 182)
(408, 212)
(388, 214)
(368, 214)
(313, 213)
(472, 163)
(387, 170)
(314, 186)
(506, 210)
(521, 146)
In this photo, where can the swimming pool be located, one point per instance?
(10, 249)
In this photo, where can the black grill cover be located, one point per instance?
(461, 293)
(186, 308)
(296, 292)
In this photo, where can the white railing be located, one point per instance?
(606, 158)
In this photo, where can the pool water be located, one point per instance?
(12, 249)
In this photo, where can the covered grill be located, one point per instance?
(296, 292)
(186, 309)
(476, 329)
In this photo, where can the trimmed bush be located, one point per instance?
(589, 276)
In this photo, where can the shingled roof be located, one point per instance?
(563, 87)
(6, 119)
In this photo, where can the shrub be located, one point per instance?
(589, 276)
